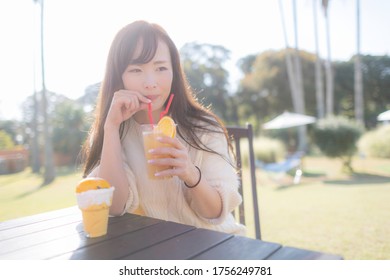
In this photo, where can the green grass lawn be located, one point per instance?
(328, 211)
(21, 194)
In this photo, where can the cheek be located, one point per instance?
(166, 82)
(130, 83)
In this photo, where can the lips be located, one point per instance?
(152, 97)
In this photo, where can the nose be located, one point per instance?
(150, 82)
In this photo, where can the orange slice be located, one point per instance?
(167, 126)
(92, 183)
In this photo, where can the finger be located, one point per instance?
(129, 93)
(172, 162)
(129, 104)
(135, 103)
(140, 97)
(143, 99)
(143, 106)
(169, 152)
(169, 172)
(171, 141)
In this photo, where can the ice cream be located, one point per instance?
(94, 197)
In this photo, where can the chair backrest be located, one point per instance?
(237, 133)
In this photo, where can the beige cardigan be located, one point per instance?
(169, 199)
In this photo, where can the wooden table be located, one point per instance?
(59, 235)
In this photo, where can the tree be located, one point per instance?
(343, 88)
(88, 100)
(34, 146)
(6, 142)
(35, 161)
(295, 74)
(329, 70)
(245, 64)
(318, 78)
(49, 172)
(69, 120)
(264, 91)
(298, 68)
(10, 127)
(203, 65)
(376, 82)
(359, 106)
(302, 130)
(289, 62)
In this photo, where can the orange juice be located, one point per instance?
(150, 134)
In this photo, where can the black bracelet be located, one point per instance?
(197, 183)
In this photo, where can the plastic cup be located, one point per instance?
(94, 205)
(150, 134)
(95, 221)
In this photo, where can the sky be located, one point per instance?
(78, 34)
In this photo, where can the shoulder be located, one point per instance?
(213, 135)
(209, 124)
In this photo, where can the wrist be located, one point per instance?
(194, 182)
(111, 127)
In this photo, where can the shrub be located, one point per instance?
(265, 149)
(13, 158)
(6, 142)
(376, 143)
(337, 137)
(268, 149)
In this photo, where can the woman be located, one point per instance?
(143, 67)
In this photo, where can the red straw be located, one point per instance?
(163, 113)
(150, 113)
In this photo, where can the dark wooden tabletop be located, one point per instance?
(59, 235)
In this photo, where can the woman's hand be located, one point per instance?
(175, 159)
(124, 104)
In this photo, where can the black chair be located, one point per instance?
(237, 133)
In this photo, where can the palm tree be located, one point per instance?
(49, 173)
(294, 71)
(289, 62)
(359, 107)
(318, 67)
(35, 161)
(297, 64)
(329, 71)
(34, 145)
(302, 130)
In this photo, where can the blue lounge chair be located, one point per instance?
(292, 162)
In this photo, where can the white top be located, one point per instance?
(170, 199)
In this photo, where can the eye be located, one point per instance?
(162, 68)
(134, 70)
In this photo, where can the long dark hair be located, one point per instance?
(192, 118)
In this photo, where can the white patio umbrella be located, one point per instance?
(288, 119)
(385, 116)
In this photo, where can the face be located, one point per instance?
(153, 79)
